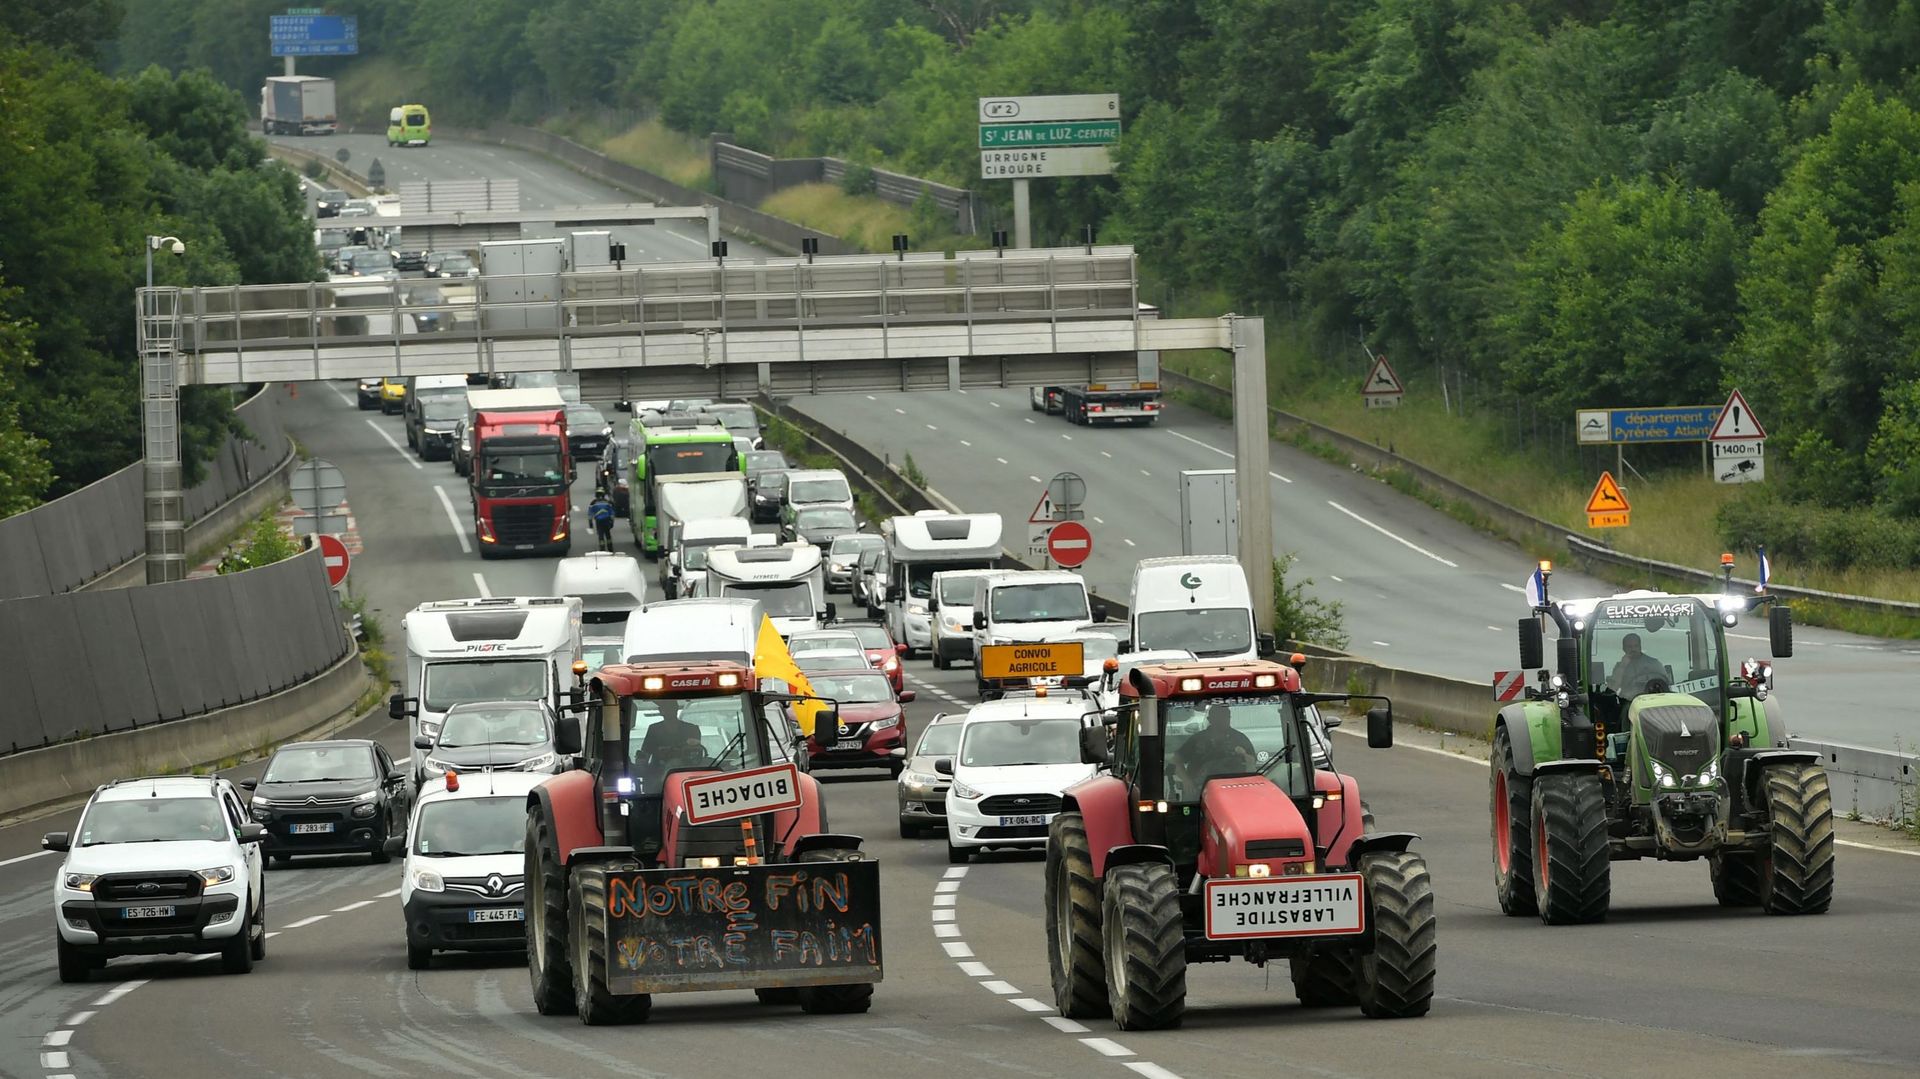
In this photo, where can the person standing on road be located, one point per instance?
(600, 512)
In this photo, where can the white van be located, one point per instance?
(922, 545)
(685, 567)
(1022, 606)
(462, 888)
(609, 586)
(818, 487)
(1199, 604)
(950, 605)
(690, 629)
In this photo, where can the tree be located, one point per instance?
(24, 472)
(78, 27)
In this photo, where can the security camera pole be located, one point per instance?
(160, 428)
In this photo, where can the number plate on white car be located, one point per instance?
(1325, 906)
(497, 914)
(311, 829)
(146, 912)
(1025, 819)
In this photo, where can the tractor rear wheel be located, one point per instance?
(1146, 947)
(1512, 821)
(1796, 872)
(1395, 979)
(1736, 879)
(597, 1005)
(848, 999)
(1324, 979)
(546, 900)
(1074, 956)
(1572, 870)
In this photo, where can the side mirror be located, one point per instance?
(395, 844)
(1780, 630)
(1330, 721)
(1262, 643)
(249, 784)
(1567, 659)
(901, 649)
(1099, 612)
(944, 766)
(423, 743)
(398, 775)
(402, 707)
(979, 620)
(1093, 746)
(252, 833)
(1533, 651)
(1380, 727)
(893, 593)
(906, 696)
(566, 736)
(57, 842)
(830, 715)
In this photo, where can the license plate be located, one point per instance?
(849, 743)
(1023, 819)
(311, 829)
(146, 912)
(498, 914)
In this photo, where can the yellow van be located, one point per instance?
(409, 125)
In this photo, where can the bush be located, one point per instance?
(315, 170)
(1818, 535)
(858, 179)
(1298, 616)
(263, 544)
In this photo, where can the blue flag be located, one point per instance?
(1766, 571)
(1536, 589)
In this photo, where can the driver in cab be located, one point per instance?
(1215, 749)
(673, 742)
(1630, 677)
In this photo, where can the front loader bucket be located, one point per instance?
(743, 927)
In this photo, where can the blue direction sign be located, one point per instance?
(1676, 423)
(314, 35)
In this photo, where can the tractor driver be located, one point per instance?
(1215, 749)
(1630, 676)
(672, 742)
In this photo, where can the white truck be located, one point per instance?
(695, 496)
(298, 105)
(1195, 603)
(789, 581)
(920, 546)
(686, 565)
(498, 649)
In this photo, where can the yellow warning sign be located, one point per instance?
(1607, 505)
(1031, 660)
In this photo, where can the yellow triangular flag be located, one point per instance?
(772, 660)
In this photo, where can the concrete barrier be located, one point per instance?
(57, 773)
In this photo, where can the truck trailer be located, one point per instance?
(298, 105)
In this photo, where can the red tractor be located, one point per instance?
(684, 855)
(1208, 834)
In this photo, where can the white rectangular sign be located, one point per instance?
(1053, 161)
(1246, 907)
(1739, 462)
(1594, 425)
(742, 794)
(1008, 110)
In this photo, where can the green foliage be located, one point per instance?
(912, 472)
(1300, 616)
(857, 179)
(264, 543)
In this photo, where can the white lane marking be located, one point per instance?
(80, 1018)
(974, 970)
(480, 582)
(459, 526)
(947, 886)
(119, 991)
(53, 1060)
(1028, 1004)
(57, 1038)
(931, 427)
(1404, 543)
(955, 872)
(1144, 472)
(1128, 542)
(1496, 629)
(957, 950)
(1223, 453)
(353, 906)
(901, 411)
(1069, 438)
(1106, 1047)
(1383, 644)
(965, 443)
(273, 934)
(1002, 460)
(304, 922)
(1063, 1024)
(946, 930)
(1029, 419)
(996, 404)
(1104, 453)
(871, 397)
(947, 900)
(1151, 1070)
(1099, 520)
(341, 394)
(389, 895)
(1005, 989)
(397, 447)
(26, 857)
(1035, 479)
(1342, 580)
(1522, 591)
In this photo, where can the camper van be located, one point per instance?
(686, 565)
(920, 546)
(789, 581)
(609, 587)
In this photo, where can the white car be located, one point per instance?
(1016, 756)
(464, 888)
(160, 866)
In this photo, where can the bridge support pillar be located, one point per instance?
(1250, 461)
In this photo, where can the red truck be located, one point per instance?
(521, 478)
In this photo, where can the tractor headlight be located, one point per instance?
(1661, 776)
(1711, 773)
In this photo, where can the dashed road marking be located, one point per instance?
(1005, 989)
(459, 526)
(901, 411)
(1450, 564)
(995, 404)
(480, 582)
(931, 427)
(1028, 1004)
(1104, 453)
(304, 922)
(1064, 1025)
(1106, 1047)
(57, 1038)
(1333, 577)
(975, 970)
(1128, 542)
(80, 1018)
(1035, 479)
(353, 906)
(1002, 460)
(947, 886)
(957, 950)
(1517, 588)
(1069, 438)
(965, 443)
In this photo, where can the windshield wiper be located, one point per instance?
(722, 755)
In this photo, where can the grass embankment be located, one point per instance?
(367, 89)
(865, 220)
(653, 146)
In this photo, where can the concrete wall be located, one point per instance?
(751, 176)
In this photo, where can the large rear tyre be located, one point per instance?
(1146, 947)
(1510, 797)
(598, 1007)
(1572, 871)
(1324, 979)
(1395, 979)
(1796, 871)
(1074, 956)
(1736, 879)
(548, 967)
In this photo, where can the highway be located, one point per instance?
(1670, 984)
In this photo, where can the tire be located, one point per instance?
(781, 995)
(1736, 879)
(75, 965)
(957, 855)
(365, 405)
(1146, 947)
(1796, 871)
(1324, 979)
(1075, 958)
(1366, 818)
(941, 662)
(280, 861)
(596, 1006)
(419, 957)
(909, 831)
(896, 768)
(237, 956)
(1509, 796)
(849, 999)
(1572, 876)
(1395, 979)
(259, 943)
(548, 967)
(380, 855)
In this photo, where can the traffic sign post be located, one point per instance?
(1607, 506)
(1739, 443)
(333, 551)
(318, 488)
(1383, 388)
(1024, 138)
(309, 33)
(1069, 544)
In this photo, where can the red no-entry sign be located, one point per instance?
(1069, 543)
(334, 553)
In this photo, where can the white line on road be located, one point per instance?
(1104, 453)
(397, 447)
(480, 582)
(975, 970)
(1029, 419)
(389, 895)
(1028, 1004)
(1496, 629)
(1069, 438)
(901, 411)
(1522, 591)
(1383, 644)
(965, 443)
(53, 1060)
(946, 930)
(945, 900)
(1099, 520)
(871, 397)
(947, 915)
(26, 857)
(119, 991)
(341, 394)
(1223, 453)
(931, 427)
(1342, 580)
(1404, 543)
(353, 906)
(1035, 479)
(80, 1018)
(1064, 1025)
(304, 922)
(955, 872)
(1005, 989)
(57, 1038)
(1128, 542)
(1151, 1070)
(459, 526)
(995, 404)
(958, 950)
(947, 886)
(1106, 1047)
(1002, 460)
(1144, 472)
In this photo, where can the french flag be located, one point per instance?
(1766, 571)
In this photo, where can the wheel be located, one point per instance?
(1572, 876)
(1509, 796)
(1736, 879)
(280, 861)
(546, 899)
(258, 930)
(1324, 979)
(908, 831)
(380, 855)
(236, 957)
(75, 965)
(896, 768)
(1146, 947)
(1796, 870)
(940, 661)
(783, 995)
(588, 936)
(848, 999)
(366, 405)
(419, 956)
(1366, 818)
(1075, 959)
(1395, 979)
(957, 855)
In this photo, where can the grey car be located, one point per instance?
(923, 790)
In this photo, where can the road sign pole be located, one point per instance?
(1022, 214)
(289, 65)
(1250, 463)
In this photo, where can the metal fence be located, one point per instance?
(85, 663)
(63, 544)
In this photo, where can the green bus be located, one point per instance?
(674, 445)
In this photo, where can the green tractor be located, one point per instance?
(1646, 741)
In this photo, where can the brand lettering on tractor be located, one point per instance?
(688, 683)
(1649, 610)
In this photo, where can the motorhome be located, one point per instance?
(922, 545)
(789, 581)
(688, 629)
(609, 586)
(1196, 603)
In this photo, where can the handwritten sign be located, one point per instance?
(742, 794)
(744, 927)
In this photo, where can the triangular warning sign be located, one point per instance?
(1737, 422)
(1607, 496)
(1381, 380)
(1042, 510)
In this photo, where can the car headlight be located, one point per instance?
(80, 882)
(954, 624)
(434, 765)
(368, 797)
(365, 811)
(886, 724)
(916, 606)
(964, 792)
(542, 763)
(426, 880)
(1710, 773)
(429, 728)
(919, 782)
(891, 663)
(1661, 776)
(219, 874)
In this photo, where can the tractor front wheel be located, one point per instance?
(1395, 979)
(1736, 879)
(1512, 820)
(1324, 979)
(1146, 947)
(546, 901)
(597, 1005)
(1572, 868)
(1074, 956)
(1796, 871)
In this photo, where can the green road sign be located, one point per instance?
(1059, 133)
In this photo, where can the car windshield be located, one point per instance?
(940, 740)
(788, 599)
(854, 688)
(455, 262)
(318, 764)
(762, 460)
(774, 483)
(823, 518)
(736, 418)
(873, 635)
(832, 659)
(1001, 743)
(1227, 736)
(1059, 601)
(1207, 632)
(686, 458)
(956, 591)
(600, 653)
(372, 261)
(442, 409)
(1653, 645)
(694, 553)
(507, 726)
(824, 642)
(449, 684)
(700, 732)
(471, 827)
(585, 417)
(821, 489)
(157, 820)
(846, 545)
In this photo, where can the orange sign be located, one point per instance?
(1607, 505)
